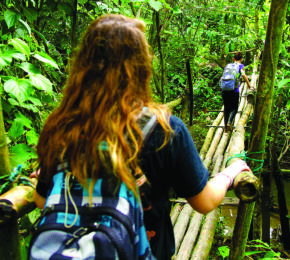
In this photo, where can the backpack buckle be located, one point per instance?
(76, 235)
(45, 211)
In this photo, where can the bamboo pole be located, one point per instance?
(209, 156)
(174, 213)
(242, 103)
(20, 198)
(189, 239)
(209, 136)
(245, 209)
(207, 233)
(181, 224)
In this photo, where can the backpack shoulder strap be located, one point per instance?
(147, 122)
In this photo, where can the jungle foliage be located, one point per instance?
(39, 36)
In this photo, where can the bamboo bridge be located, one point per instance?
(194, 232)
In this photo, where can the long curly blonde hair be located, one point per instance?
(107, 87)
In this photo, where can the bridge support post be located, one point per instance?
(9, 238)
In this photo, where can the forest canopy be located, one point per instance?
(38, 38)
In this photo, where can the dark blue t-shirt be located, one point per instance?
(177, 166)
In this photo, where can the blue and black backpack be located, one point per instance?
(230, 78)
(108, 227)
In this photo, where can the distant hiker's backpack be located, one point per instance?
(112, 228)
(230, 77)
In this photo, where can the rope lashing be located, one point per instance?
(14, 177)
(244, 155)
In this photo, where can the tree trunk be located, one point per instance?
(4, 155)
(265, 89)
(190, 87)
(160, 56)
(74, 25)
(284, 220)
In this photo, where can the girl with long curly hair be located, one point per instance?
(95, 135)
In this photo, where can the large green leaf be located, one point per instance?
(32, 137)
(6, 57)
(20, 46)
(4, 61)
(20, 118)
(26, 26)
(17, 55)
(35, 101)
(15, 131)
(41, 82)
(283, 82)
(29, 107)
(11, 17)
(18, 88)
(20, 154)
(29, 68)
(41, 56)
(30, 13)
(156, 5)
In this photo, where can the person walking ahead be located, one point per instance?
(231, 96)
(107, 89)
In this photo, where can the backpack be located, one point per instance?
(112, 228)
(230, 77)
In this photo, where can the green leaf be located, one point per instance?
(6, 57)
(29, 68)
(29, 107)
(30, 13)
(13, 102)
(23, 120)
(11, 18)
(253, 252)
(156, 5)
(32, 137)
(15, 131)
(35, 101)
(26, 26)
(41, 82)
(20, 46)
(176, 10)
(224, 251)
(283, 82)
(41, 56)
(83, 1)
(17, 55)
(18, 88)
(5, 60)
(20, 154)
